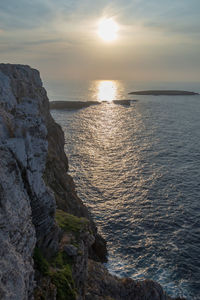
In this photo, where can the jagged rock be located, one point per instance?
(101, 285)
(46, 290)
(71, 250)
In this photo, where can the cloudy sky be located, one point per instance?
(157, 39)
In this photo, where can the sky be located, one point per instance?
(157, 39)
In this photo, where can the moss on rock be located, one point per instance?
(61, 259)
(57, 271)
(71, 223)
(65, 284)
(41, 264)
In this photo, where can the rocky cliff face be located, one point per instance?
(44, 252)
(63, 186)
(27, 204)
(33, 177)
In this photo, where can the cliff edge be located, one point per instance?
(50, 247)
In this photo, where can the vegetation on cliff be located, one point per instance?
(57, 270)
(63, 270)
(71, 223)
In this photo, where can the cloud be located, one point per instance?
(171, 16)
(24, 14)
(166, 15)
(23, 45)
(175, 27)
(43, 42)
(153, 33)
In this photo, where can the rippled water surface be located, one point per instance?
(138, 170)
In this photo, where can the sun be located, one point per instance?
(108, 29)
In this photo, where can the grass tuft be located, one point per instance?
(59, 268)
(69, 222)
(61, 259)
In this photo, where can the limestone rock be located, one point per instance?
(71, 250)
(33, 173)
(27, 205)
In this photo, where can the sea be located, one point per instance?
(137, 168)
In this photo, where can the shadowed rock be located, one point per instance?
(102, 285)
(124, 102)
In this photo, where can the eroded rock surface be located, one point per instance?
(27, 205)
(33, 177)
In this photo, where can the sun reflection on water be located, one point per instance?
(106, 90)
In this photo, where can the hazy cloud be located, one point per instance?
(156, 37)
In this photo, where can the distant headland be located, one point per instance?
(164, 93)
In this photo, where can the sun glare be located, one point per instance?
(106, 90)
(108, 29)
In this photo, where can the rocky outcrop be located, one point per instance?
(101, 285)
(72, 105)
(122, 102)
(44, 251)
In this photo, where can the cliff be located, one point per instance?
(50, 247)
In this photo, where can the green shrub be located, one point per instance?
(64, 283)
(61, 259)
(69, 222)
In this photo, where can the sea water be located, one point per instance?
(137, 168)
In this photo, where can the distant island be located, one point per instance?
(72, 104)
(164, 93)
